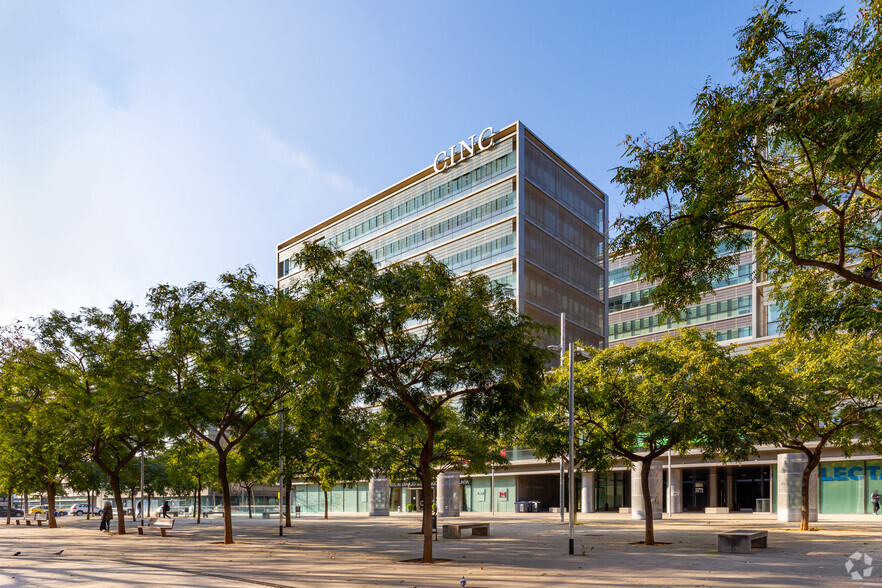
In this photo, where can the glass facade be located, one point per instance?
(515, 212)
(563, 247)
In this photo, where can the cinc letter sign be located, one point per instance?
(464, 150)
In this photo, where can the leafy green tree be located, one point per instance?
(109, 371)
(218, 350)
(86, 477)
(334, 451)
(397, 440)
(810, 394)
(191, 466)
(636, 403)
(423, 339)
(786, 159)
(39, 429)
(250, 464)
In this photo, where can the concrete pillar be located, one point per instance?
(790, 468)
(656, 484)
(587, 492)
(713, 490)
(447, 494)
(730, 489)
(713, 477)
(378, 496)
(675, 491)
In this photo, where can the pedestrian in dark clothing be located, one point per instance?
(165, 509)
(875, 499)
(106, 516)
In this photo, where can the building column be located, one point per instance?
(713, 477)
(790, 468)
(655, 491)
(713, 500)
(675, 491)
(730, 489)
(587, 492)
(447, 498)
(378, 496)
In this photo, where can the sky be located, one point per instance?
(153, 142)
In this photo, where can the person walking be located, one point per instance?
(165, 509)
(139, 509)
(875, 499)
(106, 516)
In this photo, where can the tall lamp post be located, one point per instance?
(571, 485)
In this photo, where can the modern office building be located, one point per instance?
(739, 310)
(502, 203)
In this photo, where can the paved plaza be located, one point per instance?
(521, 551)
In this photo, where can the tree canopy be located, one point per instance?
(810, 394)
(787, 159)
(421, 340)
(639, 402)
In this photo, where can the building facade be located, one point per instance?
(740, 311)
(504, 204)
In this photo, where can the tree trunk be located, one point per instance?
(149, 498)
(287, 503)
(26, 501)
(326, 503)
(50, 509)
(225, 491)
(649, 538)
(199, 498)
(120, 507)
(426, 481)
(9, 507)
(806, 477)
(133, 504)
(88, 504)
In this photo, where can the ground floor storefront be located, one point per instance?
(768, 484)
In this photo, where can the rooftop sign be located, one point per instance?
(464, 150)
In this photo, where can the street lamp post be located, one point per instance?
(572, 484)
(141, 496)
(281, 468)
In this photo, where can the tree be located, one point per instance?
(106, 363)
(218, 353)
(190, 466)
(86, 477)
(398, 438)
(638, 402)
(251, 464)
(422, 339)
(787, 160)
(39, 430)
(808, 394)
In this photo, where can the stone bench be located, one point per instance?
(454, 531)
(156, 523)
(33, 518)
(741, 541)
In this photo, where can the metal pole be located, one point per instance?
(492, 490)
(571, 488)
(281, 467)
(670, 489)
(563, 347)
(142, 487)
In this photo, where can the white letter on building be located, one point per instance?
(489, 139)
(441, 154)
(470, 147)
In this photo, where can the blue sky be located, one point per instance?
(167, 142)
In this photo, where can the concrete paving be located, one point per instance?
(522, 550)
